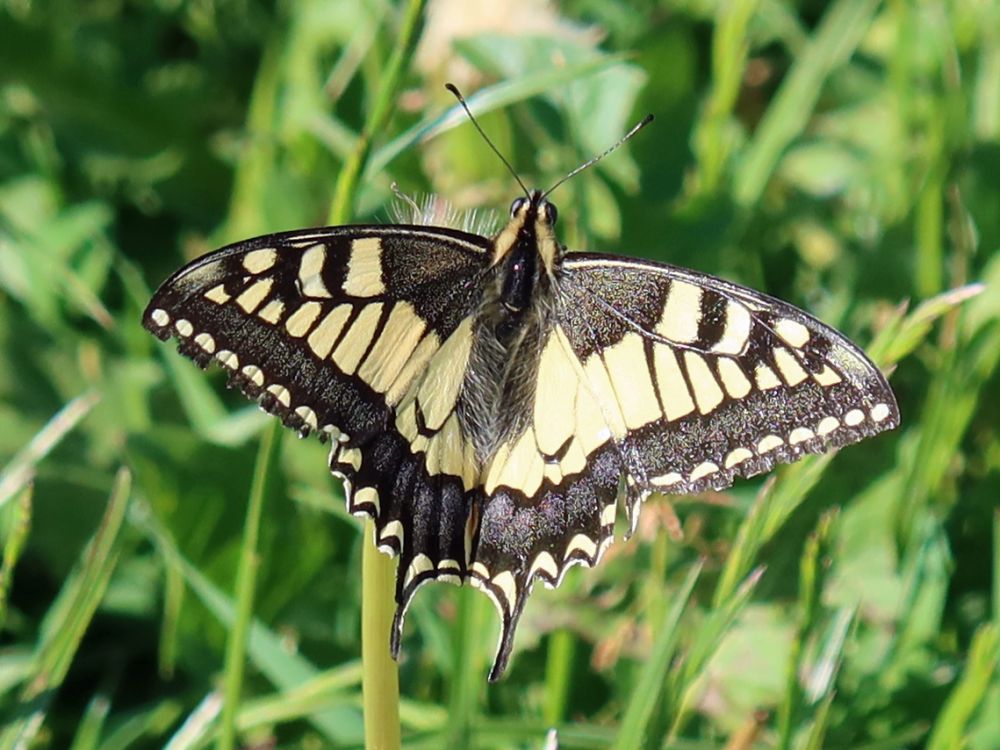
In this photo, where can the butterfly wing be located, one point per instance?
(345, 331)
(674, 380)
(707, 380)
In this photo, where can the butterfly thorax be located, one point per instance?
(511, 325)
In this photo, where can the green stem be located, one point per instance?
(246, 580)
(462, 691)
(380, 675)
(257, 164)
(19, 528)
(347, 183)
(558, 675)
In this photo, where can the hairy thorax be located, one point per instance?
(498, 391)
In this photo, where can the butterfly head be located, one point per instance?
(530, 231)
(526, 250)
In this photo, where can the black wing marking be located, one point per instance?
(724, 381)
(333, 331)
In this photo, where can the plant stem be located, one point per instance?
(347, 183)
(380, 675)
(246, 580)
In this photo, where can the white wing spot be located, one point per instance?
(351, 457)
(827, 425)
(707, 392)
(421, 564)
(736, 331)
(310, 272)
(281, 393)
(508, 586)
(160, 317)
(827, 376)
(271, 312)
(354, 344)
(704, 469)
(253, 295)
(228, 359)
(854, 417)
(737, 456)
(308, 416)
(667, 479)
(301, 321)
(544, 563)
(583, 543)
(254, 374)
(366, 496)
(184, 327)
(766, 378)
(879, 412)
(205, 341)
(364, 269)
(800, 435)
(324, 335)
(733, 378)
(258, 261)
(681, 313)
(769, 443)
(790, 368)
(218, 294)
(677, 400)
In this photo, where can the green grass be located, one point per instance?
(175, 573)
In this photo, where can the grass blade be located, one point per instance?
(246, 579)
(684, 685)
(287, 671)
(381, 674)
(68, 619)
(18, 528)
(980, 670)
(21, 468)
(835, 39)
(652, 679)
(499, 95)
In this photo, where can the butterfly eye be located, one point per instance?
(551, 213)
(517, 205)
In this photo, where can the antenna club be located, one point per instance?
(593, 160)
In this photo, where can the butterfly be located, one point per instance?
(492, 400)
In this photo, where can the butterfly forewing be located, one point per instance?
(705, 380)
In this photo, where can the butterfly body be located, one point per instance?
(491, 397)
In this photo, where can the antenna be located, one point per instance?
(591, 162)
(461, 100)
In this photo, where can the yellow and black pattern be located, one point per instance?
(488, 398)
(334, 331)
(677, 381)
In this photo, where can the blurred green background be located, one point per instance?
(844, 156)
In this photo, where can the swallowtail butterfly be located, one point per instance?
(490, 399)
